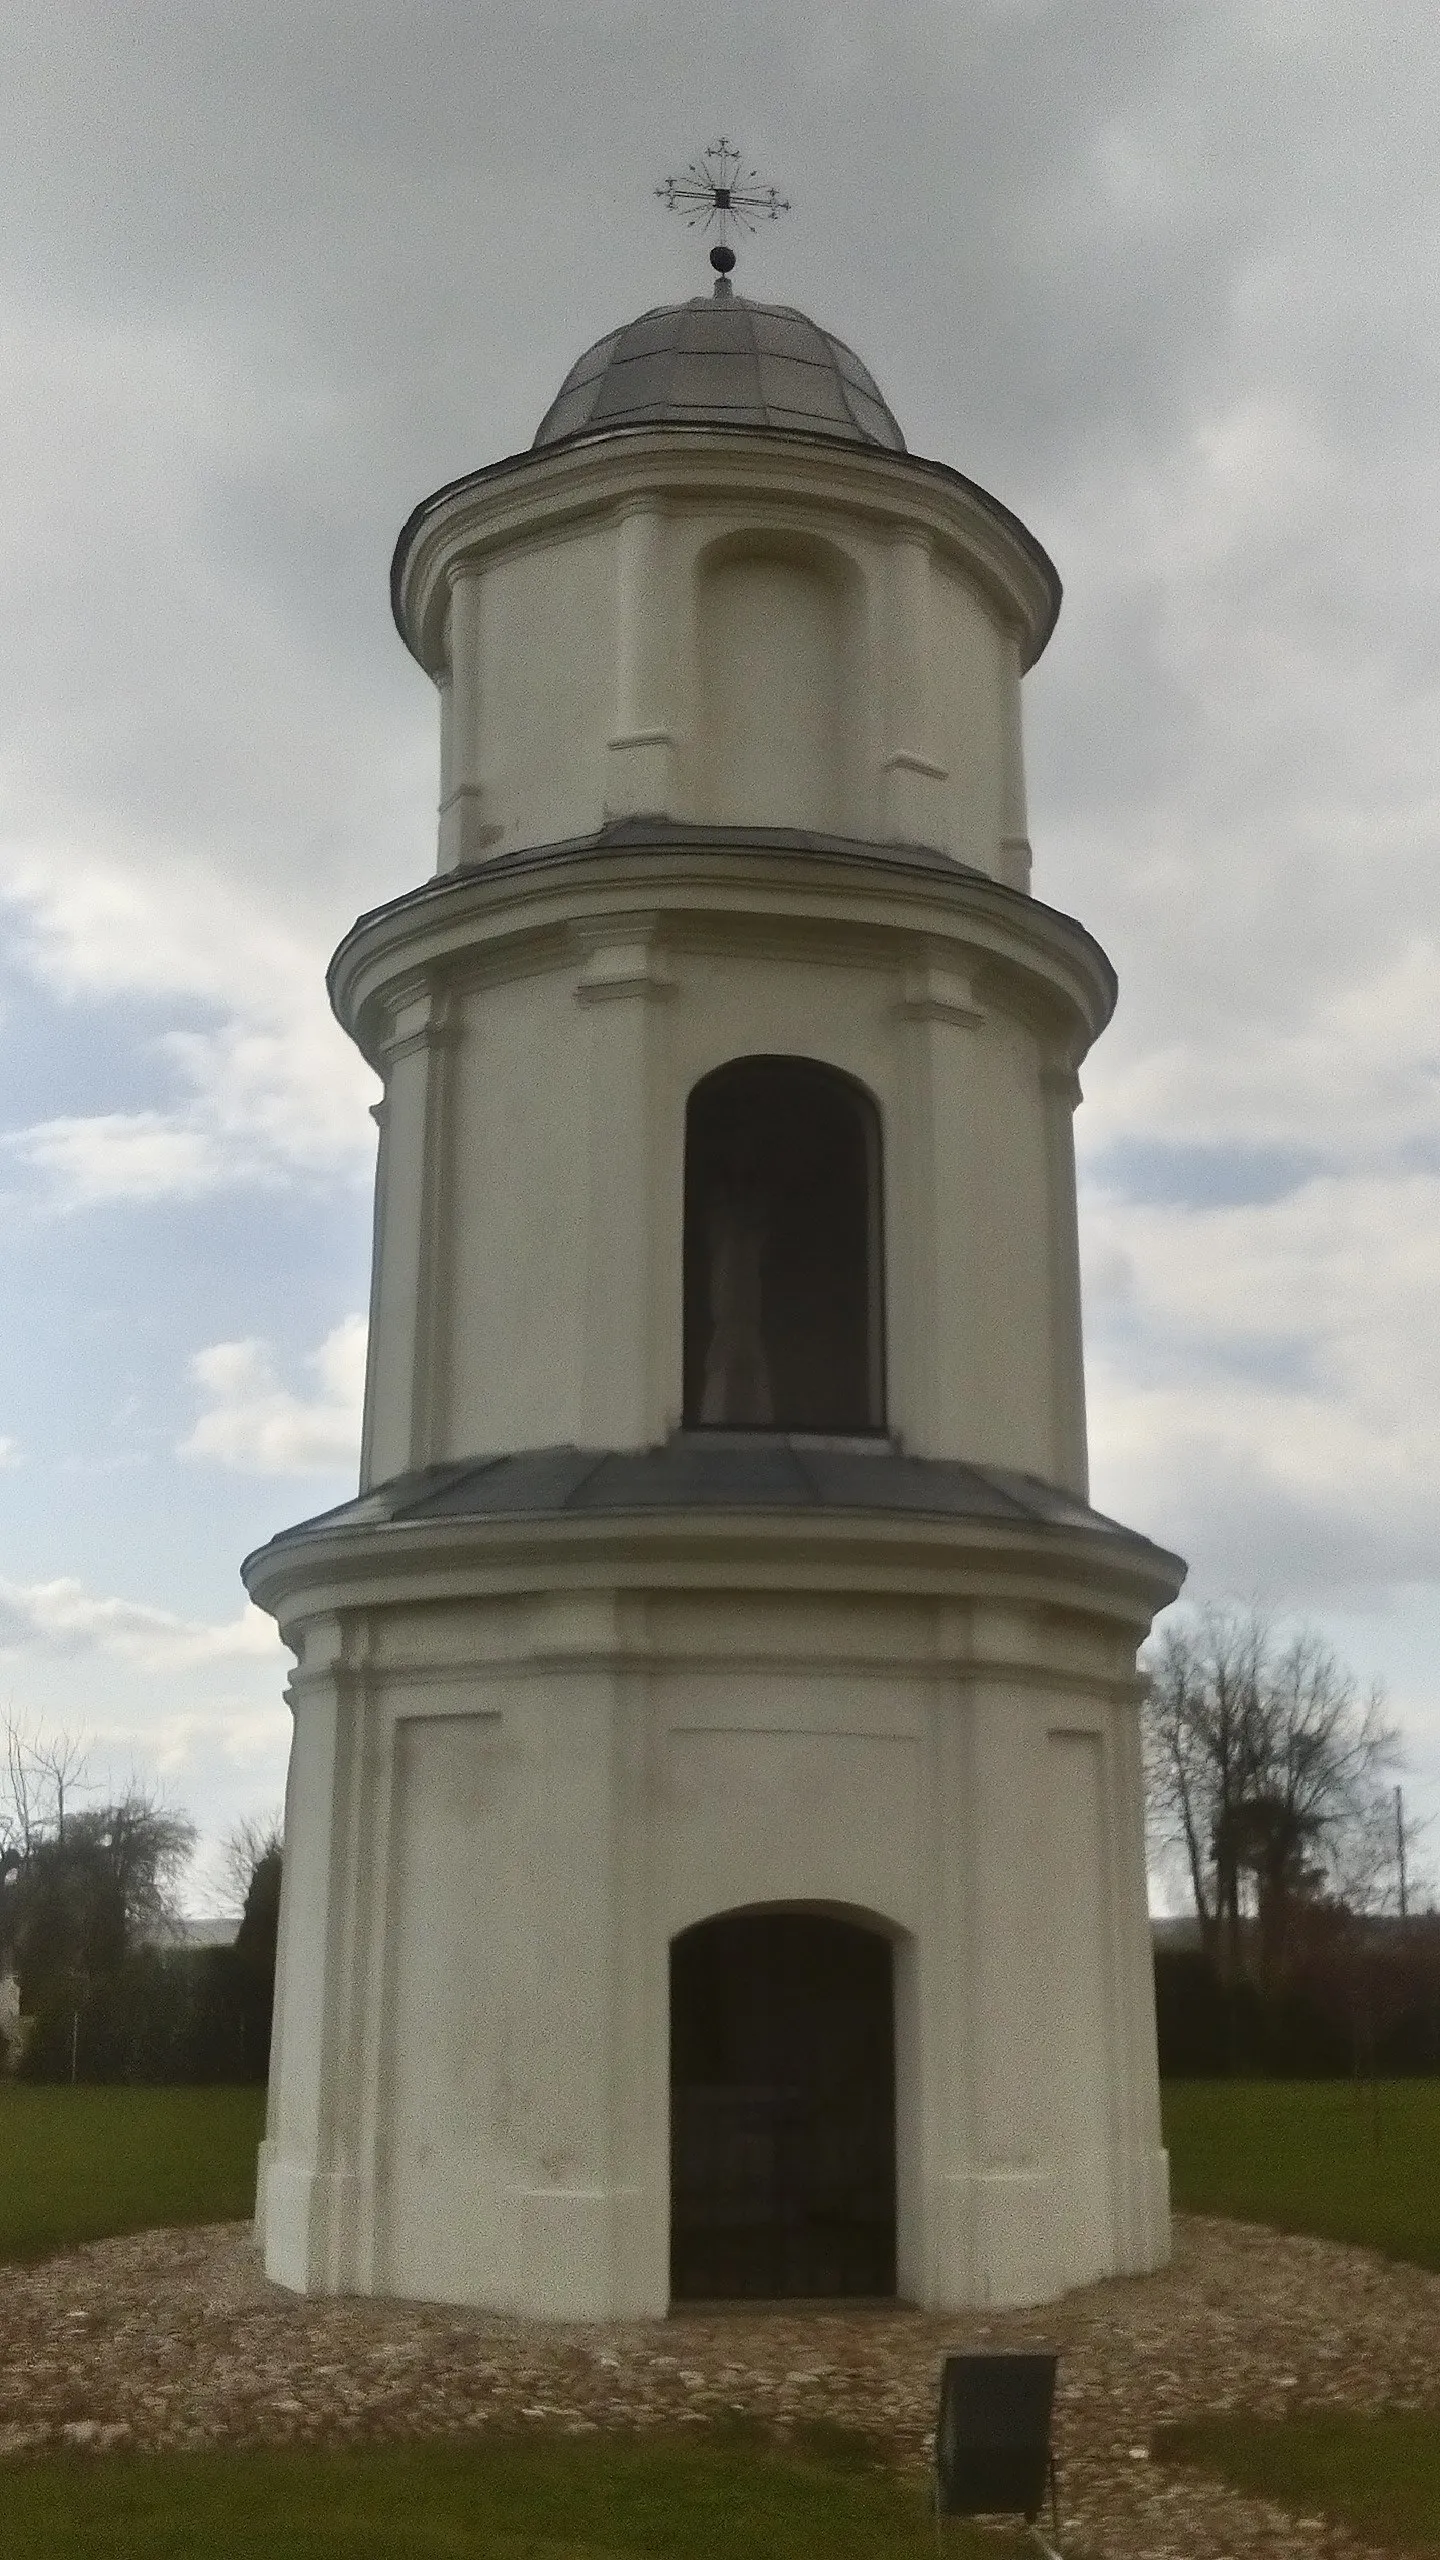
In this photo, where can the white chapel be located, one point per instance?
(714, 1846)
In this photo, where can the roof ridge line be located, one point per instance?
(442, 1474)
(989, 1477)
(597, 1461)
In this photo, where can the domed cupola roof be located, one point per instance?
(722, 361)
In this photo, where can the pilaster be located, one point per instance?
(1141, 2166)
(468, 825)
(319, 2170)
(623, 985)
(934, 2147)
(939, 1006)
(585, 2208)
(1009, 2173)
(409, 1307)
(913, 776)
(1060, 1088)
(1014, 846)
(640, 757)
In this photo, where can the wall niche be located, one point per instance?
(776, 645)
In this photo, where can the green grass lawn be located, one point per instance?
(1380, 2473)
(565, 2499)
(78, 2164)
(1304, 2155)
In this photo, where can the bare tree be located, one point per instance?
(256, 1851)
(78, 1888)
(40, 1773)
(1266, 1766)
(253, 1845)
(61, 1764)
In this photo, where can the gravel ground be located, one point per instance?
(174, 2338)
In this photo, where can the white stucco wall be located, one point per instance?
(529, 1279)
(776, 692)
(534, 725)
(763, 637)
(528, 1753)
(545, 1794)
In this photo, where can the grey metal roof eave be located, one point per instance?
(329, 1543)
(719, 1473)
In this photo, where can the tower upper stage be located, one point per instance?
(718, 591)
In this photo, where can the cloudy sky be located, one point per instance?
(1161, 273)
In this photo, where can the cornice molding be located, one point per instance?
(529, 496)
(1112, 1578)
(673, 885)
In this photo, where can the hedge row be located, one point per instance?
(203, 2014)
(1378, 2016)
(160, 2017)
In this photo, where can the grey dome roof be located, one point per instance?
(721, 361)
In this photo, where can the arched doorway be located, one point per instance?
(783, 1312)
(782, 2108)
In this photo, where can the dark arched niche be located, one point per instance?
(783, 1319)
(782, 2107)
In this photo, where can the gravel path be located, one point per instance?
(174, 2338)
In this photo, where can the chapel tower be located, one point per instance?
(714, 1844)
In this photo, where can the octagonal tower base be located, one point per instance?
(555, 1711)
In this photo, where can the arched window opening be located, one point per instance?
(782, 2108)
(783, 1319)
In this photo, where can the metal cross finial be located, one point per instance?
(718, 192)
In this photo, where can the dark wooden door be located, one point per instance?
(782, 2109)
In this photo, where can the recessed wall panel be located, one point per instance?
(456, 2047)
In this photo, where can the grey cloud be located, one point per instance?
(1243, 1531)
(1071, 239)
(1200, 1177)
(416, 217)
(1161, 276)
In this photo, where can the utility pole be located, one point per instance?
(1400, 1842)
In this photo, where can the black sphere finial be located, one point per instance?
(722, 260)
